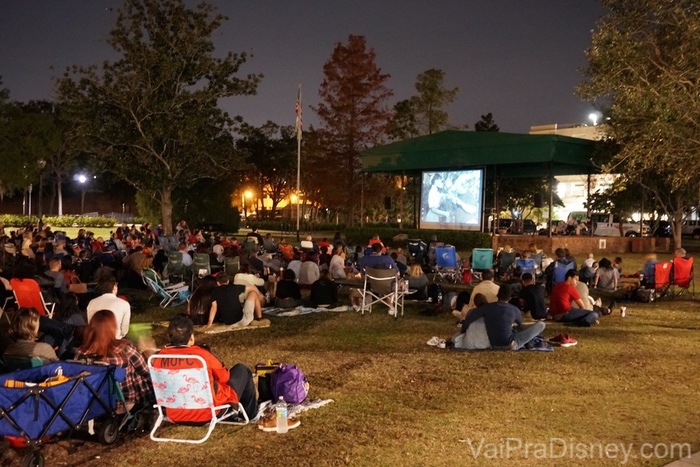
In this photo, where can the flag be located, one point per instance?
(299, 123)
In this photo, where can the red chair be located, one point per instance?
(662, 278)
(682, 275)
(28, 294)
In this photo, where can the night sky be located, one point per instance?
(519, 59)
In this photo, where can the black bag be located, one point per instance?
(643, 295)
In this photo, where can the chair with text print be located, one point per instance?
(185, 395)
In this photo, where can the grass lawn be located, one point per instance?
(628, 382)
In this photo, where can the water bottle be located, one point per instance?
(281, 409)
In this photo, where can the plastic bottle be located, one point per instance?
(281, 409)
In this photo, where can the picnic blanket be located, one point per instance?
(301, 310)
(216, 328)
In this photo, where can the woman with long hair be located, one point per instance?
(337, 264)
(418, 281)
(24, 331)
(200, 303)
(101, 344)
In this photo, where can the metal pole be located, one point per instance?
(551, 198)
(30, 200)
(298, 165)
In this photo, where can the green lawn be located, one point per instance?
(628, 382)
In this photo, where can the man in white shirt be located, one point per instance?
(109, 301)
(186, 258)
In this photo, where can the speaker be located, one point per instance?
(387, 202)
(539, 203)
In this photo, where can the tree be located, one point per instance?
(430, 102)
(271, 150)
(403, 121)
(486, 123)
(645, 61)
(353, 116)
(152, 116)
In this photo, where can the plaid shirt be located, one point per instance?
(136, 386)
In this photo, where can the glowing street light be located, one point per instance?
(593, 117)
(247, 194)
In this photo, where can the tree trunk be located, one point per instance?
(166, 210)
(59, 194)
(677, 223)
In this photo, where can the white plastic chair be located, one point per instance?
(382, 286)
(180, 385)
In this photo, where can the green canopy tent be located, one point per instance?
(502, 155)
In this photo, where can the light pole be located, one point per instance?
(82, 179)
(42, 164)
(29, 190)
(247, 194)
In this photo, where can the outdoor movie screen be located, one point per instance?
(452, 200)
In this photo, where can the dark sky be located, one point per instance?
(519, 59)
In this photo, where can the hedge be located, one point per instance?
(460, 239)
(12, 220)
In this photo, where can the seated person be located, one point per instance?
(324, 259)
(288, 291)
(476, 337)
(309, 271)
(499, 318)
(100, 344)
(400, 266)
(532, 298)
(418, 281)
(516, 285)
(486, 287)
(649, 272)
(226, 304)
(24, 331)
(55, 273)
(605, 277)
(337, 263)
(565, 303)
(110, 301)
(377, 259)
(324, 292)
(230, 386)
(199, 304)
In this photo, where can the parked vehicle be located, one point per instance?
(512, 227)
(663, 229)
(691, 228)
(608, 225)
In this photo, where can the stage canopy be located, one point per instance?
(510, 154)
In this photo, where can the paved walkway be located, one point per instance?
(686, 461)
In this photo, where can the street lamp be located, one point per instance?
(29, 189)
(247, 194)
(42, 164)
(82, 179)
(593, 117)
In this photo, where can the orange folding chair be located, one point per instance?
(28, 294)
(682, 276)
(662, 278)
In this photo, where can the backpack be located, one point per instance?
(435, 294)
(289, 383)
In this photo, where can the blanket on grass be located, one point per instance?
(301, 310)
(216, 328)
(538, 343)
(293, 409)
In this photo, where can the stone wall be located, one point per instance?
(583, 245)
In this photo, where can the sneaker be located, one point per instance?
(356, 307)
(392, 312)
(562, 340)
(260, 322)
(269, 422)
(442, 344)
(623, 311)
(434, 341)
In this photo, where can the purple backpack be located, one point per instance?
(290, 383)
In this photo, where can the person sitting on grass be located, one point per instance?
(24, 331)
(288, 291)
(226, 305)
(199, 304)
(532, 297)
(499, 318)
(230, 386)
(605, 277)
(418, 281)
(475, 337)
(486, 287)
(566, 306)
(324, 292)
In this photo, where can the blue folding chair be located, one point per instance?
(446, 264)
(526, 265)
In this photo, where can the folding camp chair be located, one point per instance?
(250, 245)
(559, 272)
(682, 276)
(200, 267)
(482, 259)
(537, 258)
(232, 265)
(418, 249)
(526, 265)
(181, 385)
(28, 294)
(382, 286)
(446, 266)
(175, 295)
(505, 262)
(175, 267)
(8, 298)
(662, 278)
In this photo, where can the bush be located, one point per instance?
(460, 239)
(12, 220)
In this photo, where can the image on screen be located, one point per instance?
(451, 200)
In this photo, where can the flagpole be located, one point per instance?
(299, 124)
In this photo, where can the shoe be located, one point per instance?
(392, 312)
(623, 311)
(356, 307)
(434, 341)
(269, 422)
(598, 303)
(442, 344)
(260, 322)
(563, 340)
(611, 307)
